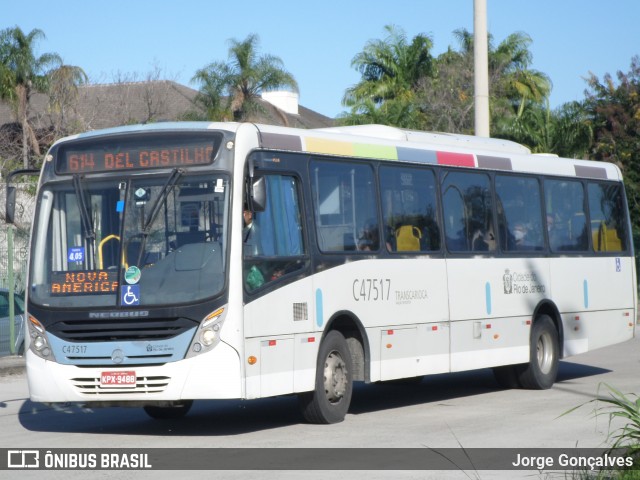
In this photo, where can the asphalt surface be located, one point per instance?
(11, 365)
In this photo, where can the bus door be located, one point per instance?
(278, 313)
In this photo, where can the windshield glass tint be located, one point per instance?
(143, 242)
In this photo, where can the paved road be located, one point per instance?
(443, 411)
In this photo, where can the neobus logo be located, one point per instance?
(131, 314)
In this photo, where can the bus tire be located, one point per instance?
(178, 410)
(541, 371)
(330, 400)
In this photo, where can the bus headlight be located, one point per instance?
(208, 334)
(38, 335)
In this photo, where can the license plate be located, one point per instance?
(118, 379)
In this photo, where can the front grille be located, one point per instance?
(90, 386)
(121, 329)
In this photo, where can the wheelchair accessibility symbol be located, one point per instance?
(130, 295)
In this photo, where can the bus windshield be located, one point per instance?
(143, 241)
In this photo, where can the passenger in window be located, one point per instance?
(250, 235)
(555, 239)
(369, 239)
(483, 241)
(254, 277)
(519, 234)
(390, 238)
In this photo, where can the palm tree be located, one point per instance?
(22, 73)
(63, 92)
(399, 113)
(565, 131)
(391, 69)
(241, 79)
(513, 80)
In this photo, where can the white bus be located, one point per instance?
(184, 261)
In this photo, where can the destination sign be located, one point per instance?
(83, 282)
(143, 152)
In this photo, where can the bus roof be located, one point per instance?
(390, 143)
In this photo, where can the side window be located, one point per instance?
(608, 222)
(4, 304)
(273, 239)
(468, 217)
(566, 219)
(409, 209)
(345, 207)
(18, 304)
(519, 213)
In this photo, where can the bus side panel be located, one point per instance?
(387, 296)
(413, 351)
(404, 292)
(491, 302)
(279, 327)
(595, 298)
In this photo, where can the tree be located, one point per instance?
(22, 73)
(391, 71)
(565, 131)
(411, 89)
(241, 80)
(63, 94)
(614, 109)
(513, 79)
(448, 98)
(390, 68)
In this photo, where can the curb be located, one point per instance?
(11, 365)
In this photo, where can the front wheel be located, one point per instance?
(541, 371)
(330, 400)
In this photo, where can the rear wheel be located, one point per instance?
(177, 410)
(330, 400)
(541, 371)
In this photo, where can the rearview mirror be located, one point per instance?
(10, 207)
(11, 204)
(259, 194)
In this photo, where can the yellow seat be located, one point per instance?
(607, 239)
(408, 238)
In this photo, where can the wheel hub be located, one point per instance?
(545, 353)
(335, 377)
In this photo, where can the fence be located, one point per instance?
(16, 271)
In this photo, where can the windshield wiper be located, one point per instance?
(85, 218)
(157, 205)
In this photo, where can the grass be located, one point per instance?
(618, 406)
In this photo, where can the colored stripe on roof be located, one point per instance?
(279, 141)
(497, 163)
(334, 147)
(375, 151)
(590, 172)
(416, 155)
(456, 159)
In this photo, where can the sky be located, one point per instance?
(131, 39)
